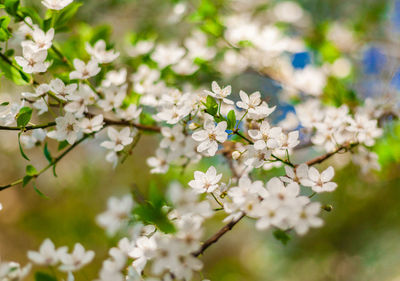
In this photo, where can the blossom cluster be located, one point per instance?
(194, 123)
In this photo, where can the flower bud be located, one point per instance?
(235, 155)
(192, 126)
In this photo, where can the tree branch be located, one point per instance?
(28, 128)
(213, 239)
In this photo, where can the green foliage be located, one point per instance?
(42, 276)
(60, 18)
(30, 171)
(337, 92)
(24, 116)
(231, 120)
(211, 106)
(5, 34)
(388, 147)
(20, 147)
(62, 145)
(281, 236)
(46, 153)
(13, 73)
(153, 212)
(11, 6)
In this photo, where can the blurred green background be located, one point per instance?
(359, 241)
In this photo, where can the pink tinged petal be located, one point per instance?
(328, 174)
(313, 174)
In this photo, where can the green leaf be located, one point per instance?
(26, 180)
(24, 116)
(62, 145)
(4, 103)
(20, 147)
(47, 154)
(5, 34)
(152, 211)
(31, 171)
(282, 236)
(231, 120)
(41, 194)
(32, 13)
(211, 106)
(63, 16)
(12, 73)
(11, 6)
(41, 276)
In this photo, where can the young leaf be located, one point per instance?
(47, 154)
(211, 106)
(15, 75)
(65, 14)
(5, 34)
(281, 236)
(231, 120)
(11, 6)
(20, 147)
(41, 276)
(31, 171)
(62, 145)
(24, 116)
(26, 180)
(41, 194)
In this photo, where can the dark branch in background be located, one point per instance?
(340, 149)
(28, 128)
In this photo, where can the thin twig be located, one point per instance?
(213, 239)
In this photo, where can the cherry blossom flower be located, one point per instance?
(266, 137)
(247, 101)
(210, 136)
(205, 182)
(76, 260)
(32, 61)
(117, 214)
(320, 182)
(219, 93)
(307, 217)
(118, 140)
(47, 254)
(84, 71)
(173, 137)
(67, 128)
(41, 40)
(61, 90)
(90, 125)
(99, 52)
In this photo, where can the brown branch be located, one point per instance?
(28, 128)
(213, 239)
(322, 158)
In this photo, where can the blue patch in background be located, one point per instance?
(373, 60)
(301, 60)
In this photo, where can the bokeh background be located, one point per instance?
(361, 236)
